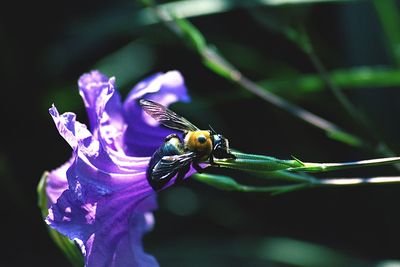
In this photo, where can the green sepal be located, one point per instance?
(252, 162)
(67, 246)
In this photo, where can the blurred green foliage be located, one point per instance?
(197, 225)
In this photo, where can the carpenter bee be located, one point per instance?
(175, 156)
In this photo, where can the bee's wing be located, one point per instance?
(169, 166)
(166, 117)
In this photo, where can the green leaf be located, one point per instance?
(195, 40)
(253, 162)
(299, 2)
(346, 138)
(68, 247)
(194, 8)
(218, 181)
(41, 193)
(361, 77)
(227, 183)
(289, 176)
(218, 64)
(290, 252)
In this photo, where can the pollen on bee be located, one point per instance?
(199, 141)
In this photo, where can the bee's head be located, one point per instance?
(221, 147)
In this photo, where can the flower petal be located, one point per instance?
(94, 168)
(94, 87)
(56, 183)
(104, 202)
(103, 105)
(143, 135)
(109, 231)
(108, 204)
(128, 251)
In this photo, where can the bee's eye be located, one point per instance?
(201, 139)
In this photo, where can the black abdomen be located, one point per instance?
(171, 147)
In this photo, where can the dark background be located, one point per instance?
(45, 47)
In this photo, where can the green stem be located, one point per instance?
(194, 8)
(357, 116)
(298, 177)
(308, 49)
(324, 167)
(228, 184)
(299, 36)
(221, 66)
(331, 130)
(359, 77)
(359, 181)
(249, 162)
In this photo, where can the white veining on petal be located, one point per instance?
(91, 215)
(107, 206)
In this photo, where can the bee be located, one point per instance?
(175, 156)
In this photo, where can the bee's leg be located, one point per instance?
(181, 174)
(197, 167)
(211, 161)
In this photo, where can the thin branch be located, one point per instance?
(249, 162)
(357, 116)
(221, 66)
(359, 181)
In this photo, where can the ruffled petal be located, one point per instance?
(103, 105)
(109, 231)
(144, 135)
(104, 199)
(94, 168)
(101, 197)
(57, 183)
(128, 250)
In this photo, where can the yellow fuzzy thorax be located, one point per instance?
(192, 143)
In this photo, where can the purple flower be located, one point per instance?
(101, 198)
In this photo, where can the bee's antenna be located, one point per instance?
(212, 130)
